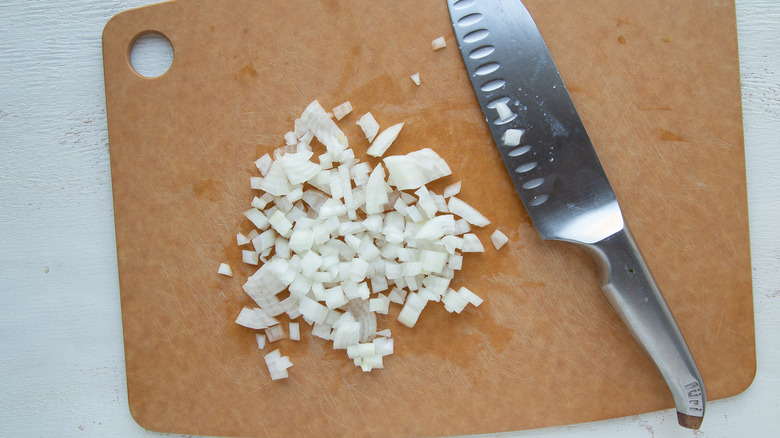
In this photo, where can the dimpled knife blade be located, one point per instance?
(559, 178)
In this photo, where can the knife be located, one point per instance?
(559, 178)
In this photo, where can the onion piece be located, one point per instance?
(275, 182)
(225, 270)
(384, 333)
(415, 169)
(504, 112)
(416, 78)
(455, 262)
(256, 182)
(263, 164)
(257, 218)
(454, 302)
(467, 212)
(470, 296)
(397, 295)
(290, 138)
(413, 306)
(250, 257)
(376, 191)
(436, 228)
(313, 310)
(414, 247)
(342, 110)
(369, 125)
(259, 203)
(426, 202)
(241, 239)
(452, 189)
(511, 137)
(383, 141)
(260, 339)
(275, 333)
(321, 331)
(280, 223)
(319, 123)
(257, 318)
(471, 243)
(264, 240)
(499, 239)
(438, 43)
(297, 167)
(380, 304)
(295, 331)
(277, 365)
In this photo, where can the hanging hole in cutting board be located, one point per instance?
(151, 54)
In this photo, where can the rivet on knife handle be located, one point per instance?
(559, 178)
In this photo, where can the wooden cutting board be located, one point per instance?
(657, 85)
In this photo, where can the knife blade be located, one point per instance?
(560, 180)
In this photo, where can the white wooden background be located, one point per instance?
(61, 354)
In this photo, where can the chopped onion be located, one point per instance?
(467, 212)
(452, 189)
(511, 137)
(295, 331)
(297, 167)
(415, 169)
(256, 182)
(499, 239)
(319, 123)
(290, 138)
(471, 243)
(275, 333)
(416, 78)
(454, 302)
(275, 182)
(250, 257)
(504, 113)
(224, 269)
(260, 339)
(383, 141)
(369, 126)
(380, 304)
(264, 164)
(438, 43)
(264, 240)
(376, 191)
(241, 239)
(411, 311)
(342, 110)
(257, 217)
(277, 365)
(280, 223)
(470, 296)
(335, 226)
(255, 318)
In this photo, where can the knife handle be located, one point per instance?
(630, 288)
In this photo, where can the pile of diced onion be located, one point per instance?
(347, 240)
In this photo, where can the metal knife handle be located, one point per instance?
(630, 288)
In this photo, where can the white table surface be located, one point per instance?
(61, 354)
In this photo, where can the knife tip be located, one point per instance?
(689, 421)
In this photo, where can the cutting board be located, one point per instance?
(657, 86)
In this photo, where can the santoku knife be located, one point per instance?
(559, 178)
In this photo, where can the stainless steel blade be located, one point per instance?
(555, 170)
(560, 180)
